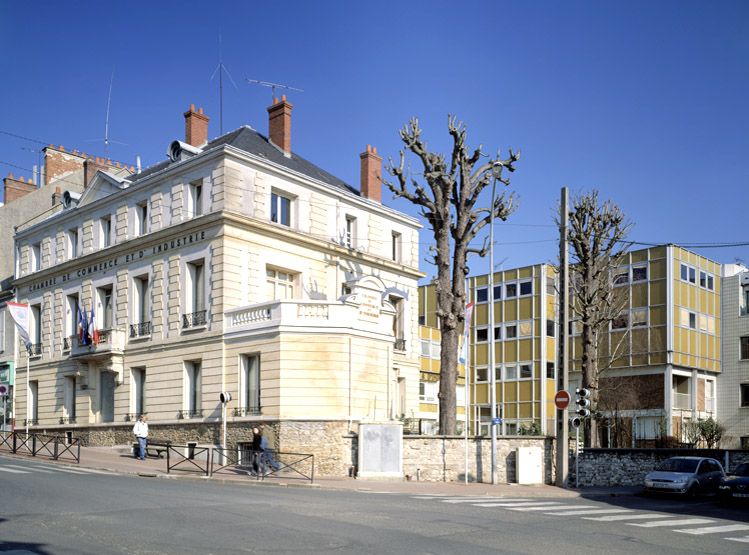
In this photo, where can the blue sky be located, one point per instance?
(645, 101)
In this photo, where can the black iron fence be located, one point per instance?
(194, 319)
(142, 329)
(54, 447)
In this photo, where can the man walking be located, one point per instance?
(141, 433)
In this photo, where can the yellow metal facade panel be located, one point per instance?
(511, 351)
(657, 269)
(511, 391)
(526, 349)
(525, 307)
(525, 272)
(639, 256)
(511, 310)
(525, 390)
(526, 410)
(640, 295)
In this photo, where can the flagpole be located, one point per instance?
(28, 358)
(466, 383)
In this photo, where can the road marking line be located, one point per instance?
(626, 517)
(589, 512)
(472, 499)
(745, 539)
(684, 521)
(560, 507)
(13, 470)
(525, 504)
(715, 529)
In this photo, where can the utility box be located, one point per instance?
(529, 467)
(381, 450)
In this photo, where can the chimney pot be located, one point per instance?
(371, 174)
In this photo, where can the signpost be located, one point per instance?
(4, 395)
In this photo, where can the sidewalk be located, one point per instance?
(120, 460)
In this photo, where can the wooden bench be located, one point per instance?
(153, 448)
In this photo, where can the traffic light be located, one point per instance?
(576, 421)
(224, 397)
(582, 402)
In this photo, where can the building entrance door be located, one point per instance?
(106, 399)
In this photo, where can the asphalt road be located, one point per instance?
(49, 509)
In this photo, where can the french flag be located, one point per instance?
(80, 326)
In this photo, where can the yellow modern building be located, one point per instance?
(524, 333)
(661, 357)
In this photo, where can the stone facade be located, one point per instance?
(442, 458)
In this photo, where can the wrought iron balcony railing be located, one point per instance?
(35, 349)
(67, 420)
(190, 414)
(142, 329)
(194, 319)
(400, 344)
(68, 342)
(248, 411)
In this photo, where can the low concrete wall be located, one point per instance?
(442, 458)
(627, 467)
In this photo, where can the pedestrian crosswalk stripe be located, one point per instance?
(611, 518)
(745, 539)
(522, 504)
(684, 521)
(588, 512)
(470, 499)
(28, 469)
(546, 507)
(715, 529)
(12, 470)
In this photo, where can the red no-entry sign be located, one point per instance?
(562, 399)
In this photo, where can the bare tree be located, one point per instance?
(448, 203)
(596, 235)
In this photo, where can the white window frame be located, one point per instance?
(521, 283)
(520, 366)
(482, 289)
(397, 247)
(193, 374)
(138, 377)
(196, 195)
(274, 283)
(639, 267)
(349, 233)
(277, 199)
(428, 392)
(105, 231)
(249, 383)
(72, 243)
(35, 257)
(485, 370)
(142, 216)
(68, 404)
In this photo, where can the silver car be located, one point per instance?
(685, 475)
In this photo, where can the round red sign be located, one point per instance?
(562, 399)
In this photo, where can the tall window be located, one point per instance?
(280, 209)
(195, 295)
(744, 395)
(350, 237)
(141, 218)
(104, 319)
(138, 391)
(36, 329)
(68, 409)
(105, 231)
(71, 238)
(399, 323)
(141, 308)
(280, 284)
(192, 388)
(33, 410)
(35, 257)
(71, 321)
(196, 198)
(396, 246)
(250, 384)
(2, 330)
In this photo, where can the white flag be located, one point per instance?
(20, 315)
(463, 355)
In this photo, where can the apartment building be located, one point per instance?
(524, 339)
(661, 357)
(733, 385)
(234, 265)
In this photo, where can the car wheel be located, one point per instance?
(693, 492)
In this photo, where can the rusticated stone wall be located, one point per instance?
(627, 467)
(442, 458)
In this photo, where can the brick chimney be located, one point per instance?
(17, 188)
(196, 127)
(279, 124)
(371, 174)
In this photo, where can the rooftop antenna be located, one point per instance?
(221, 68)
(107, 140)
(273, 86)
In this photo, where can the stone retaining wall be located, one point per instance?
(627, 467)
(442, 458)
